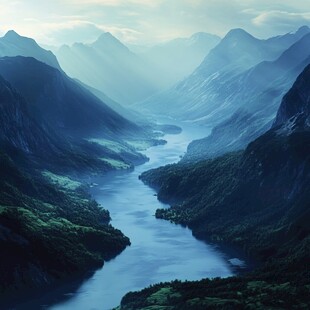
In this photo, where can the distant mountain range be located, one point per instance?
(265, 83)
(229, 90)
(60, 102)
(109, 66)
(201, 94)
(56, 116)
(13, 44)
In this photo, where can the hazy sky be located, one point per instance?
(56, 22)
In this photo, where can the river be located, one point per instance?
(160, 251)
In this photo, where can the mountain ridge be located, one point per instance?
(196, 97)
(249, 91)
(13, 44)
(42, 84)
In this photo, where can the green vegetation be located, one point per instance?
(142, 145)
(122, 155)
(116, 164)
(62, 181)
(129, 145)
(231, 293)
(111, 145)
(230, 197)
(50, 230)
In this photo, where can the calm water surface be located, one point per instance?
(160, 251)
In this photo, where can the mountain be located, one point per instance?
(12, 44)
(33, 146)
(52, 131)
(249, 92)
(172, 61)
(256, 200)
(205, 94)
(50, 230)
(108, 66)
(127, 77)
(60, 102)
(290, 38)
(93, 135)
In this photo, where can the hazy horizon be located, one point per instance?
(147, 22)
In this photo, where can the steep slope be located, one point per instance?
(108, 66)
(61, 102)
(290, 38)
(172, 61)
(12, 44)
(209, 94)
(249, 92)
(294, 112)
(17, 129)
(258, 200)
(232, 134)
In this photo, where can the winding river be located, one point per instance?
(160, 251)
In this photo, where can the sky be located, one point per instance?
(147, 22)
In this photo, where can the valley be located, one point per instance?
(132, 206)
(168, 175)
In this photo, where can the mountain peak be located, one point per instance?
(13, 37)
(13, 44)
(107, 37)
(107, 40)
(238, 33)
(11, 34)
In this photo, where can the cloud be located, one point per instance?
(73, 31)
(87, 32)
(147, 21)
(95, 2)
(280, 17)
(124, 34)
(281, 20)
(148, 3)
